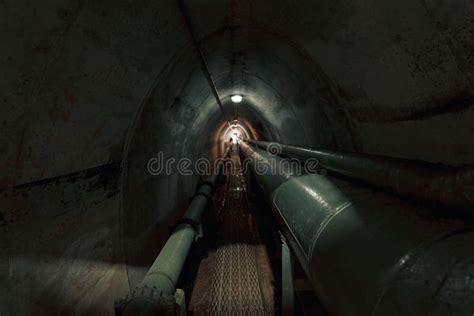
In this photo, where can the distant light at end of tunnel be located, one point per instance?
(235, 138)
(237, 98)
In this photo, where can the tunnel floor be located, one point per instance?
(237, 277)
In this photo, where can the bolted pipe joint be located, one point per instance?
(146, 301)
(157, 293)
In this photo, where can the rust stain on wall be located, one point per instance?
(62, 108)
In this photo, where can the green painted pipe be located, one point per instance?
(367, 252)
(155, 294)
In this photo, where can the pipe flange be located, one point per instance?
(188, 221)
(207, 196)
(205, 182)
(145, 301)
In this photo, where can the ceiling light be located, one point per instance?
(237, 98)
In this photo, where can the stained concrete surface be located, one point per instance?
(60, 245)
(87, 84)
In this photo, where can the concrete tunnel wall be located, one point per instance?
(90, 91)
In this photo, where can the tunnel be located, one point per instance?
(138, 140)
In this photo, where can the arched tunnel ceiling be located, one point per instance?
(88, 83)
(85, 67)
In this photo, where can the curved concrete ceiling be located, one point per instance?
(89, 83)
(82, 69)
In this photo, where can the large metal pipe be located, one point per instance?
(367, 252)
(155, 294)
(433, 183)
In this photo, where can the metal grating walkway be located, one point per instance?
(237, 284)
